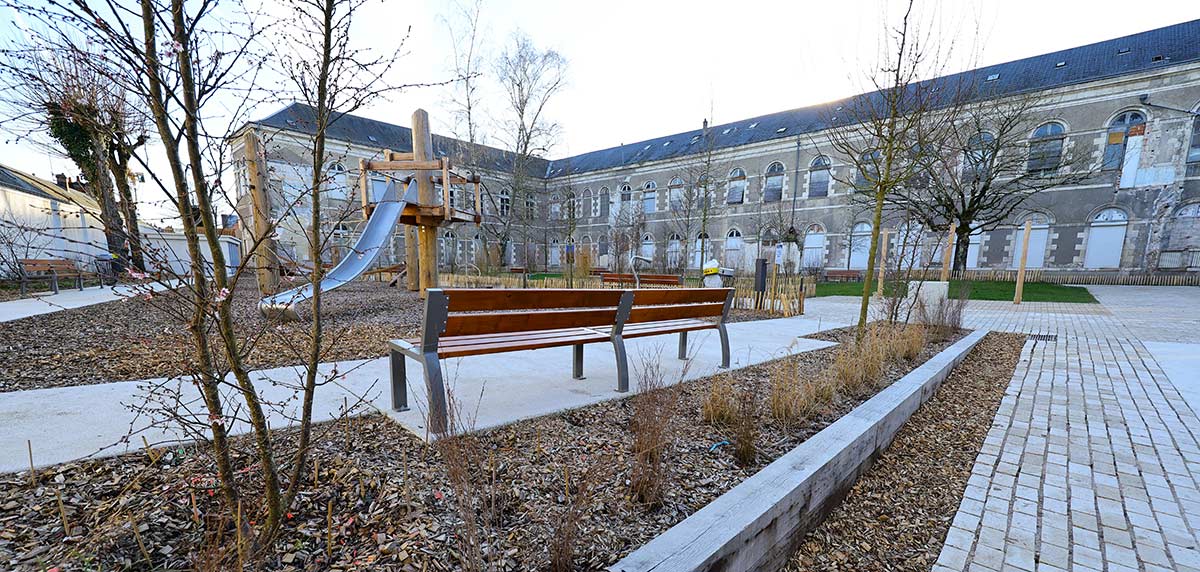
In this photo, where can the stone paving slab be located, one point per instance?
(1092, 461)
(69, 423)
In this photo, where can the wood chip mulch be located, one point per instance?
(393, 507)
(136, 338)
(896, 516)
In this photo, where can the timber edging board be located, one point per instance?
(758, 524)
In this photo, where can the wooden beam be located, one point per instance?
(416, 165)
(266, 264)
(364, 187)
(427, 234)
(1024, 256)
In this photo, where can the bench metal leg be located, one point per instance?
(79, 282)
(437, 392)
(682, 345)
(399, 382)
(724, 345)
(622, 364)
(577, 362)
(54, 281)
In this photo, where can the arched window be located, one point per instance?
(555, 253)
(336, 186)
(626, 194)
(736, 192)
(588, 207)
(859, 245)
(505, 202)
(447, 250)
(773, 183)
(977, 160)
(602, 245)
(701, 251)
(605, 203)
(868, 170)
(818, 177)
(675, 193)
(1105, 239)
(1045, 149)
(647, 250)
(1189, 211)
(733, 248)
(674, 246)
(814, 247)
(555, 206)
(650, 186)
(1122, 127)
(649, 199)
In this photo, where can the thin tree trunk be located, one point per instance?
(119, 166)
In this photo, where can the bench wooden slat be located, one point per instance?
(500, 322)
(521, 343)
(678, 296)
(674, 312)
(479, 339)
(479, 299)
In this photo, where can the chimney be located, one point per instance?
(60, 180)
(705, 125)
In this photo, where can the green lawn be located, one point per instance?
(1034, 291)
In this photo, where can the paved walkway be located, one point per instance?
(1093, 462)
(69, 423)
(66, 299)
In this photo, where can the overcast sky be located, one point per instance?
(645, 68)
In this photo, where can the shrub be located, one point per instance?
(787, 398)
(653, 408)
(579, 489)
(720, 404)
(745, 432)
(911, 341)
(945, 317)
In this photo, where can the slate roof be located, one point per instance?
(1135, 53)
(14, 179)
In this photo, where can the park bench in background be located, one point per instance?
(843, 275)
(51, 270)
(654, 279)
(470, 322)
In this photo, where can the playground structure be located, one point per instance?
(419, 208)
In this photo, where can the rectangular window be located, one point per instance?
(1114, 149)
(1194, 150)
(818, 183)
(648, 201)
(1045, 156)
(737, 192)
(773, 189)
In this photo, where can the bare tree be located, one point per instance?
(530, 79)
(692, 204)
(984, 165)
(878, 132)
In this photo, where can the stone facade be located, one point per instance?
(1139, 215)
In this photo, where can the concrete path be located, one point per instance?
(68, 298)
(74, 422)
(1093, 461)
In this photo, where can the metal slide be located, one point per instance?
(366, 250)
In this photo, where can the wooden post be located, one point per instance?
(883, 243)
(427, 245)
(949, 254)
(412, 279)
(364, 187)
(266, 265)
(1021, 268)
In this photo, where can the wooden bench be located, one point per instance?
(843, 275)
(51, 269)
(471, 321)
(655, 279)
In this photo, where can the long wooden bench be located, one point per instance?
(843, 275)
(51, 270)
(469, 322)
(655, 279)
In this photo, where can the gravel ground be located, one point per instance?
(393, 508)
(896, 517)
(135, 338)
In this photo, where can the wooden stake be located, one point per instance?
(1021, 268)
(427, 246)
(141, 545)
(62, 513)
(329, 530)
(949, 254)
(883, 243)
(195, 509)
(238, 531)
(149, 451)
(32, 471)
(316, 472)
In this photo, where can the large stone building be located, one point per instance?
(1128, 106)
